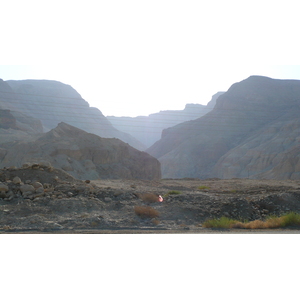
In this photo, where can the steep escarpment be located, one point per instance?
(83, 155)
(15, 126)
(253, 131)
(53, 102)
(18, 121)
(272, 152)
(10, 115)
(7, 120)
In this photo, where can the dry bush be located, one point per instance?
(256, 224)
(259, 224)
(146, 212)
(290, 219)
(155, 221)
(237, 225)
(274, 222)
(94, 223)
(6, 227)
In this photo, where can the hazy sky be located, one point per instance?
(139, 57)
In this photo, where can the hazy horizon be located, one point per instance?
(131, 58)
(91, 95)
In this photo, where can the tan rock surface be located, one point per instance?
(83, 155)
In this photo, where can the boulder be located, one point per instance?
(17, 180)
(3, 187)
(37, 185)
(27, 188)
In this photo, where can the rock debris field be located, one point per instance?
(38, 198)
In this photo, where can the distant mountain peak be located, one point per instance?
(64, 129)
(149, 129)
(253, 131)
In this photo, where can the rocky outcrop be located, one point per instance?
(10, 115)
(272, 152)
(211, 104)
(253, 131)
(148, 129)
(83, 155)
(6, 95)
(15, 126)
(53, 102)
(18, 121)
(27, 123)
(7, 120)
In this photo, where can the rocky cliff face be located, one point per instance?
(253, 131)
(148, 129)
(272, 152)
(53, 102)
(10, 117)
(18, 121)
(83, 155)
(7, 120)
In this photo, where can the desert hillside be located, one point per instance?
(53, 102)
(252, 132)
(81, 154)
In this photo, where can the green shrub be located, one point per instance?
(174, 193)
(289, 219)
(203, 187)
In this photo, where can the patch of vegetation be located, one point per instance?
(203, 187)
(290, 219)
(174, 193)
(146, 212)
(94, 223)
(223, 222)
(155, 221)
(171, 193)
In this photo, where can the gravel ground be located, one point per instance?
(68, 205)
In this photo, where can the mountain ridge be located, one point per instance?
(53, 102)
(198, 148)
(148, 129)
